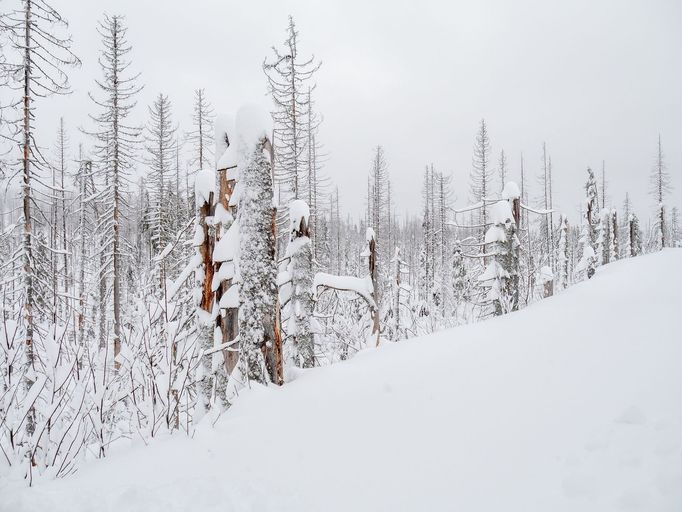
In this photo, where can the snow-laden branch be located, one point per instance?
(360, 285)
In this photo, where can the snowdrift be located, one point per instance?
(574, 404)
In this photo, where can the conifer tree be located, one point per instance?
(590, 233)
(257, 286)
(299, 313)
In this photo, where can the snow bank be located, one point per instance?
(521, 413)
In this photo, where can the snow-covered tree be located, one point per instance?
(258, 272)
(562, 252)
(634, 236)
(36, 34)
(458, 276)
(660, 187)
(675, 228)
(590, 232)
(298, 292)
(501, 275)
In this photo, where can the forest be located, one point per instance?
(151, 274)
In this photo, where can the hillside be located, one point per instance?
(574, 403)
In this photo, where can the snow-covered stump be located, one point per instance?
(203, 242)
(225, 254)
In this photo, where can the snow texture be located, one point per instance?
(511, 191)
(226, 248)
(298, 209)
(546, 274)
(360, 285)
(252, 124)
(226, 156)
(514, 414)
(204, 185)
(500, 212)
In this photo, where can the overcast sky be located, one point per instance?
(596, 80)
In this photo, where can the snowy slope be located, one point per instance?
(574, 404)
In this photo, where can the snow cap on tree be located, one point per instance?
(511, 191)
(225, 149)
(546, 274)
(298, 211)
(253, 123)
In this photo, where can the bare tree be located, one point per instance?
(481, 176)
(379, 205)
(161, 147)
(201, 135)
(660, 186)
(502, 169)
(34, 32)
(288, 77)
(115, 147)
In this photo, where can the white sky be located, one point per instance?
(594, 79)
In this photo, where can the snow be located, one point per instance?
(253, 123)
(511, 191)
(298, 209)
(500, 212)
(369, 235)
(495, 234)
(226, 156)
(588, 254)
(546, 274)
(516, 414)
(227, 247)
(204, 185)
(231, 298)
(360, 285)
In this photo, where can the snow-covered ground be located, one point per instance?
(574, 404)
